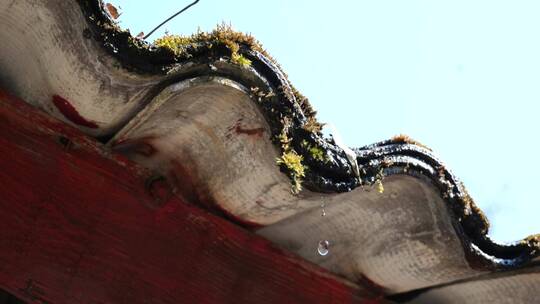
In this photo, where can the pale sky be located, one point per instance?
(462, 77)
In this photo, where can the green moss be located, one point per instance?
(283, 136)
(380, 186)
(241, 60)
(380, 176)
(175, 43)
(222, 35)
(290, 160)
(293, 163)
(284, 140)
(317, 153)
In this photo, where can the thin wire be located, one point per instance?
(169, 19)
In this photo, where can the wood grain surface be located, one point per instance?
(81, 225)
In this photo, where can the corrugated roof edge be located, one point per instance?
(296, 131)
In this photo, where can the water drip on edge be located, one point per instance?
(322, 249)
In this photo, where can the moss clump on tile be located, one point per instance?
(402, 138)
(241, 60)
(290, 161)
(312, 125)
(378, 178)
(293, 163)
(317, 154)
(380, 187)
(177, 44)
(223, 35)
(283, 138)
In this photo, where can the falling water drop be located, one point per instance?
(323, 247)
(323, 212)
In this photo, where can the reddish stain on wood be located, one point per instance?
(69, 112)
(77, 228)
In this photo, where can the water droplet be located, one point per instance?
(323, 247)
(323, 213)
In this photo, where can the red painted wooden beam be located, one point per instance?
(81, 225)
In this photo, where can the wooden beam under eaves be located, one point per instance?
(82, 225)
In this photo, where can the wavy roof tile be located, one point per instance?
(216, 116)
